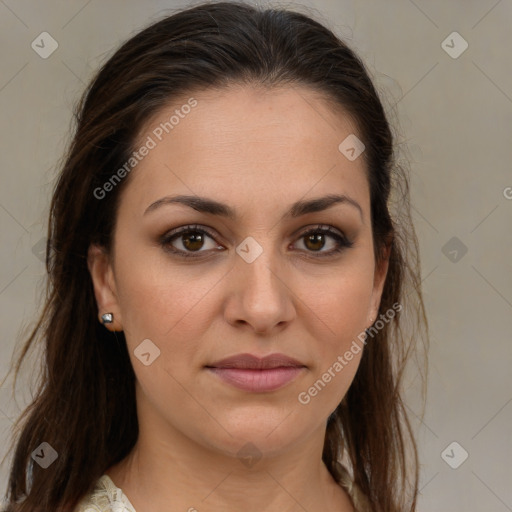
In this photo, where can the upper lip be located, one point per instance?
(249, 361)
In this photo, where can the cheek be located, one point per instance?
(342, 308)
(342, 304)
(166, 302)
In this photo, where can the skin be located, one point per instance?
(258, 152)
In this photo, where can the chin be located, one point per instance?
(257, 437)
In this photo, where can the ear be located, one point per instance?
(381, 271)
(100, 268)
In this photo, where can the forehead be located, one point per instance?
(247, 145)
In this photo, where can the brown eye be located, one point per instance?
(192, 240)
(315, 241)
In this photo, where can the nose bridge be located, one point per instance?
(262, 297)
(259, 274)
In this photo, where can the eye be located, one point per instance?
(191, 238)
(314, 241)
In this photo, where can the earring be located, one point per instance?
(107, 318)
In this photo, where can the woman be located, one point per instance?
(223, 327)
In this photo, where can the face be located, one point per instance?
(191, 285)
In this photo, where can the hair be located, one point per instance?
(84, 406)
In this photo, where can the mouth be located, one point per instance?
(254, 374)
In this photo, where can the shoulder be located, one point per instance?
(105, 497)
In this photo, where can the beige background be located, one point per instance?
(455, 115)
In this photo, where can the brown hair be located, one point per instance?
(84, 406)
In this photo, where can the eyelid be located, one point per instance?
(312, 227)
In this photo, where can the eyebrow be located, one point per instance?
(207, 205)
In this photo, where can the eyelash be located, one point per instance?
(166, 239)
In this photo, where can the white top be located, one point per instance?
(106, 497)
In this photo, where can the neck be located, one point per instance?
(166, 468)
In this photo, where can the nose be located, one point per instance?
(260, 295)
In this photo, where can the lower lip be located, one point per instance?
(258, 380)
